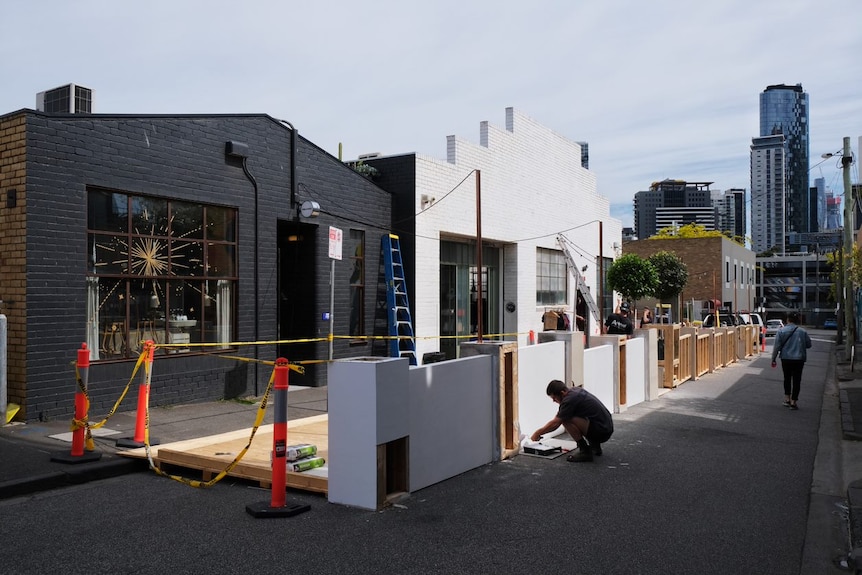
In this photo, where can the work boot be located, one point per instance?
(585, 453)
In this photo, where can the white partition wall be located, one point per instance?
(613, 366)
(451, 419)
(538, 365)
(636, 381)
(650, 339)
(574, 361)
(368, 407)
(599, 375)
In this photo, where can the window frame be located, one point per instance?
(154, 270)
(551, 272)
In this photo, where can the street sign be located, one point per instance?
(334, 243)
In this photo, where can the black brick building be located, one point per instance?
(120, 228)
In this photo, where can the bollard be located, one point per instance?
(277, 506)
(762, 339)
(78, 455)
(141, 432)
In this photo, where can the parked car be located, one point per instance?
(831, 323)
(772, 327)
(724, 320)
(754, 319)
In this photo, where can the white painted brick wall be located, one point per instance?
(532, 188)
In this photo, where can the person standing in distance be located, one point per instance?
(646, 319)
(791, 344)
(620, 323)
(582, 415)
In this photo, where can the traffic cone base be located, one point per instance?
(262, 510)
(132, 443)
(66, 457)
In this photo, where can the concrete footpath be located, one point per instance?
(723, 429)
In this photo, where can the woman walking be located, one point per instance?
(791, 343)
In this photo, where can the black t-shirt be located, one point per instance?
(579, 402)
(619, 324)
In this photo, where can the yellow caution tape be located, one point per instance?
(261, 411)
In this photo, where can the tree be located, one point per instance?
(633, 277)
(854, 271)
(672, 276)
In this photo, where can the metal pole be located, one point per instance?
(817, 281)
(849, 230)
(479, 255)
(3, 389)
(331, 306)
(601, 305)
(839, 296)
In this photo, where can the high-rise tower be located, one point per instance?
(784, 110)
(768, 193)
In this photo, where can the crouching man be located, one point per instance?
(581, 414)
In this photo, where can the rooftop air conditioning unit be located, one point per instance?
(68, 99)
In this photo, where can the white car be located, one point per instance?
(772, 327)
(755, 319)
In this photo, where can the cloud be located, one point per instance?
(658, 89)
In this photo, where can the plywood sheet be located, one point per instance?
(212, 454)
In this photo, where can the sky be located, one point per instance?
(659, 89)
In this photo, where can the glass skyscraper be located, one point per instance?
(784, 110)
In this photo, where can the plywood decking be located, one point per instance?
(212, 454)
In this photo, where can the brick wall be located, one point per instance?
(13, 254)
(710, 262)
(181, 157)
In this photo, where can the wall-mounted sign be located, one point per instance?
(334, 243)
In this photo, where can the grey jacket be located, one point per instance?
(791, 342)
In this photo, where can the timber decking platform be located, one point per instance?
(212, 454)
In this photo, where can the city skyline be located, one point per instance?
(657, 92)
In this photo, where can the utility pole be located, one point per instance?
(839, 295)
(849, 232)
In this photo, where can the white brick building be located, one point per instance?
(532, 188)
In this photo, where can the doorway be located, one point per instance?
(297, 296)
(459, 281)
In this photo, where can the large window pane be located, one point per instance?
(149, 216)
(356, 247)
(551, 277)
(221, 259)
(108, 254)
(187, 220)
(107, 211)
(149, 282)
(221, 224)
(187, 258)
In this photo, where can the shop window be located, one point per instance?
(356, 239)
(159, 270)
(551, 277)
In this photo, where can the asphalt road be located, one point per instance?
(714, 477)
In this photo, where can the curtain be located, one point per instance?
(224, 304)
(93, 317)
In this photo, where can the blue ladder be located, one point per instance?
(400, 324)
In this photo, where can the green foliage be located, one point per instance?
(768, 253)
(854, 271)
(633, 277)
(672, 274)
(362, 168)
(686, 232)
(855, 264)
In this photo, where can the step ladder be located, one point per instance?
(580, 284)
(402, 343)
